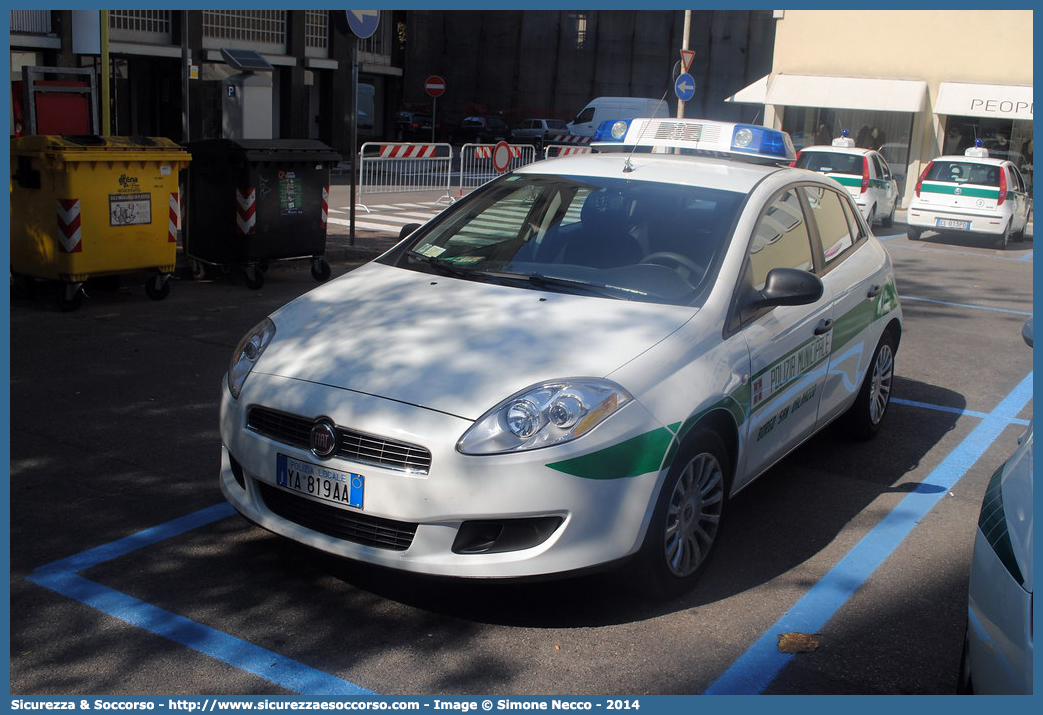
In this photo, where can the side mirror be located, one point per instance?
(786, 286)
(1026, 332)
(407, 229)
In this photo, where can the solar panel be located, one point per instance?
(246, 60)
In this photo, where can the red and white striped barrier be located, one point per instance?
(69, 235)
(386, 167)
(553, 151)
(246, 211)
(408, 151)
(174, 218)
(485, 151)
(571, 140)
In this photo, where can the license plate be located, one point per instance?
(320, 482)
(952, 223)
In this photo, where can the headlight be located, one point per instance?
(544, 415)
(247, 353)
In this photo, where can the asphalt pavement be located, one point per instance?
(130, 575)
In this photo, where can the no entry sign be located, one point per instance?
(434, 86)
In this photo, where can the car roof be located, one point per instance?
(839, 149)
(716, 172)
(963, 158)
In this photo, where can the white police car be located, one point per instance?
(973, 193)
(863, 172)
(578, 363)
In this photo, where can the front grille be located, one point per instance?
(352, 445)
(338, 523)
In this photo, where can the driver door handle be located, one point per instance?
(824, 326)
(874, 291)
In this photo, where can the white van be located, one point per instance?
(604, 108)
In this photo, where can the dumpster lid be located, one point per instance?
(92, 146)
(265, 149)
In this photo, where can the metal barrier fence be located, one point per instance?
(477, 166)
(386, 167)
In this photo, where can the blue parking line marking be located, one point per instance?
(751, 673)
(754, 671)
(953, 410)
(964, 305)
(1026, 257)
(62, 576)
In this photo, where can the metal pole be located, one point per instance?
(106, 73)
(353, 132)
(684, 46)
(186, 76)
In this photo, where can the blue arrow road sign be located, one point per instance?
(684, 87)
(363, 22)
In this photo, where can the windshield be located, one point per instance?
(613, 238)
(830, 162)
(962, 172)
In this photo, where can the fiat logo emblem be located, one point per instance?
(958, 190)
(323, 439)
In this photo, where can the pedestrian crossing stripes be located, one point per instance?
(497, 222)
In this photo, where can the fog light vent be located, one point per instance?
(498, 536)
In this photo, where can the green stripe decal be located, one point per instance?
(637, 455)
(846, 179)
(650, 451)
(950, 189)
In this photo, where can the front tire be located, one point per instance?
(686, 522)
(866, 415)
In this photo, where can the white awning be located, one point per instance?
(794, 90)
(755, 93)
(1006, 101)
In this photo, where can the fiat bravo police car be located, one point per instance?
(864, 172)
(972, 193)
(575, 366)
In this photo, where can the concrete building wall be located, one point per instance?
(551, 63)
(933, 45)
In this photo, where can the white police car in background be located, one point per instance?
(578, 363)
(997, 652)
(972, 193)
(863, 172)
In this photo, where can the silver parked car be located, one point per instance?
(997, 652)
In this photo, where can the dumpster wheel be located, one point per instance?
(70, 296)
(320, 270)
(158, 287)
(254, 277)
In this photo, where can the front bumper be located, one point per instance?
(548, 521)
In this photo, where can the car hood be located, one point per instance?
(454, 345)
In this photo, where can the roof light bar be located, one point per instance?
(742, 141)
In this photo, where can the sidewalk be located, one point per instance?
(368, 243)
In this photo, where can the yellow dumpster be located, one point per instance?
(87, 206)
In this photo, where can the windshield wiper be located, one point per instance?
(447, 267)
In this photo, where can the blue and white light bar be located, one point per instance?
(701, 136)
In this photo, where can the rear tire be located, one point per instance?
(866, 415)
(913, 233)
(889, 220)
(686, 522)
